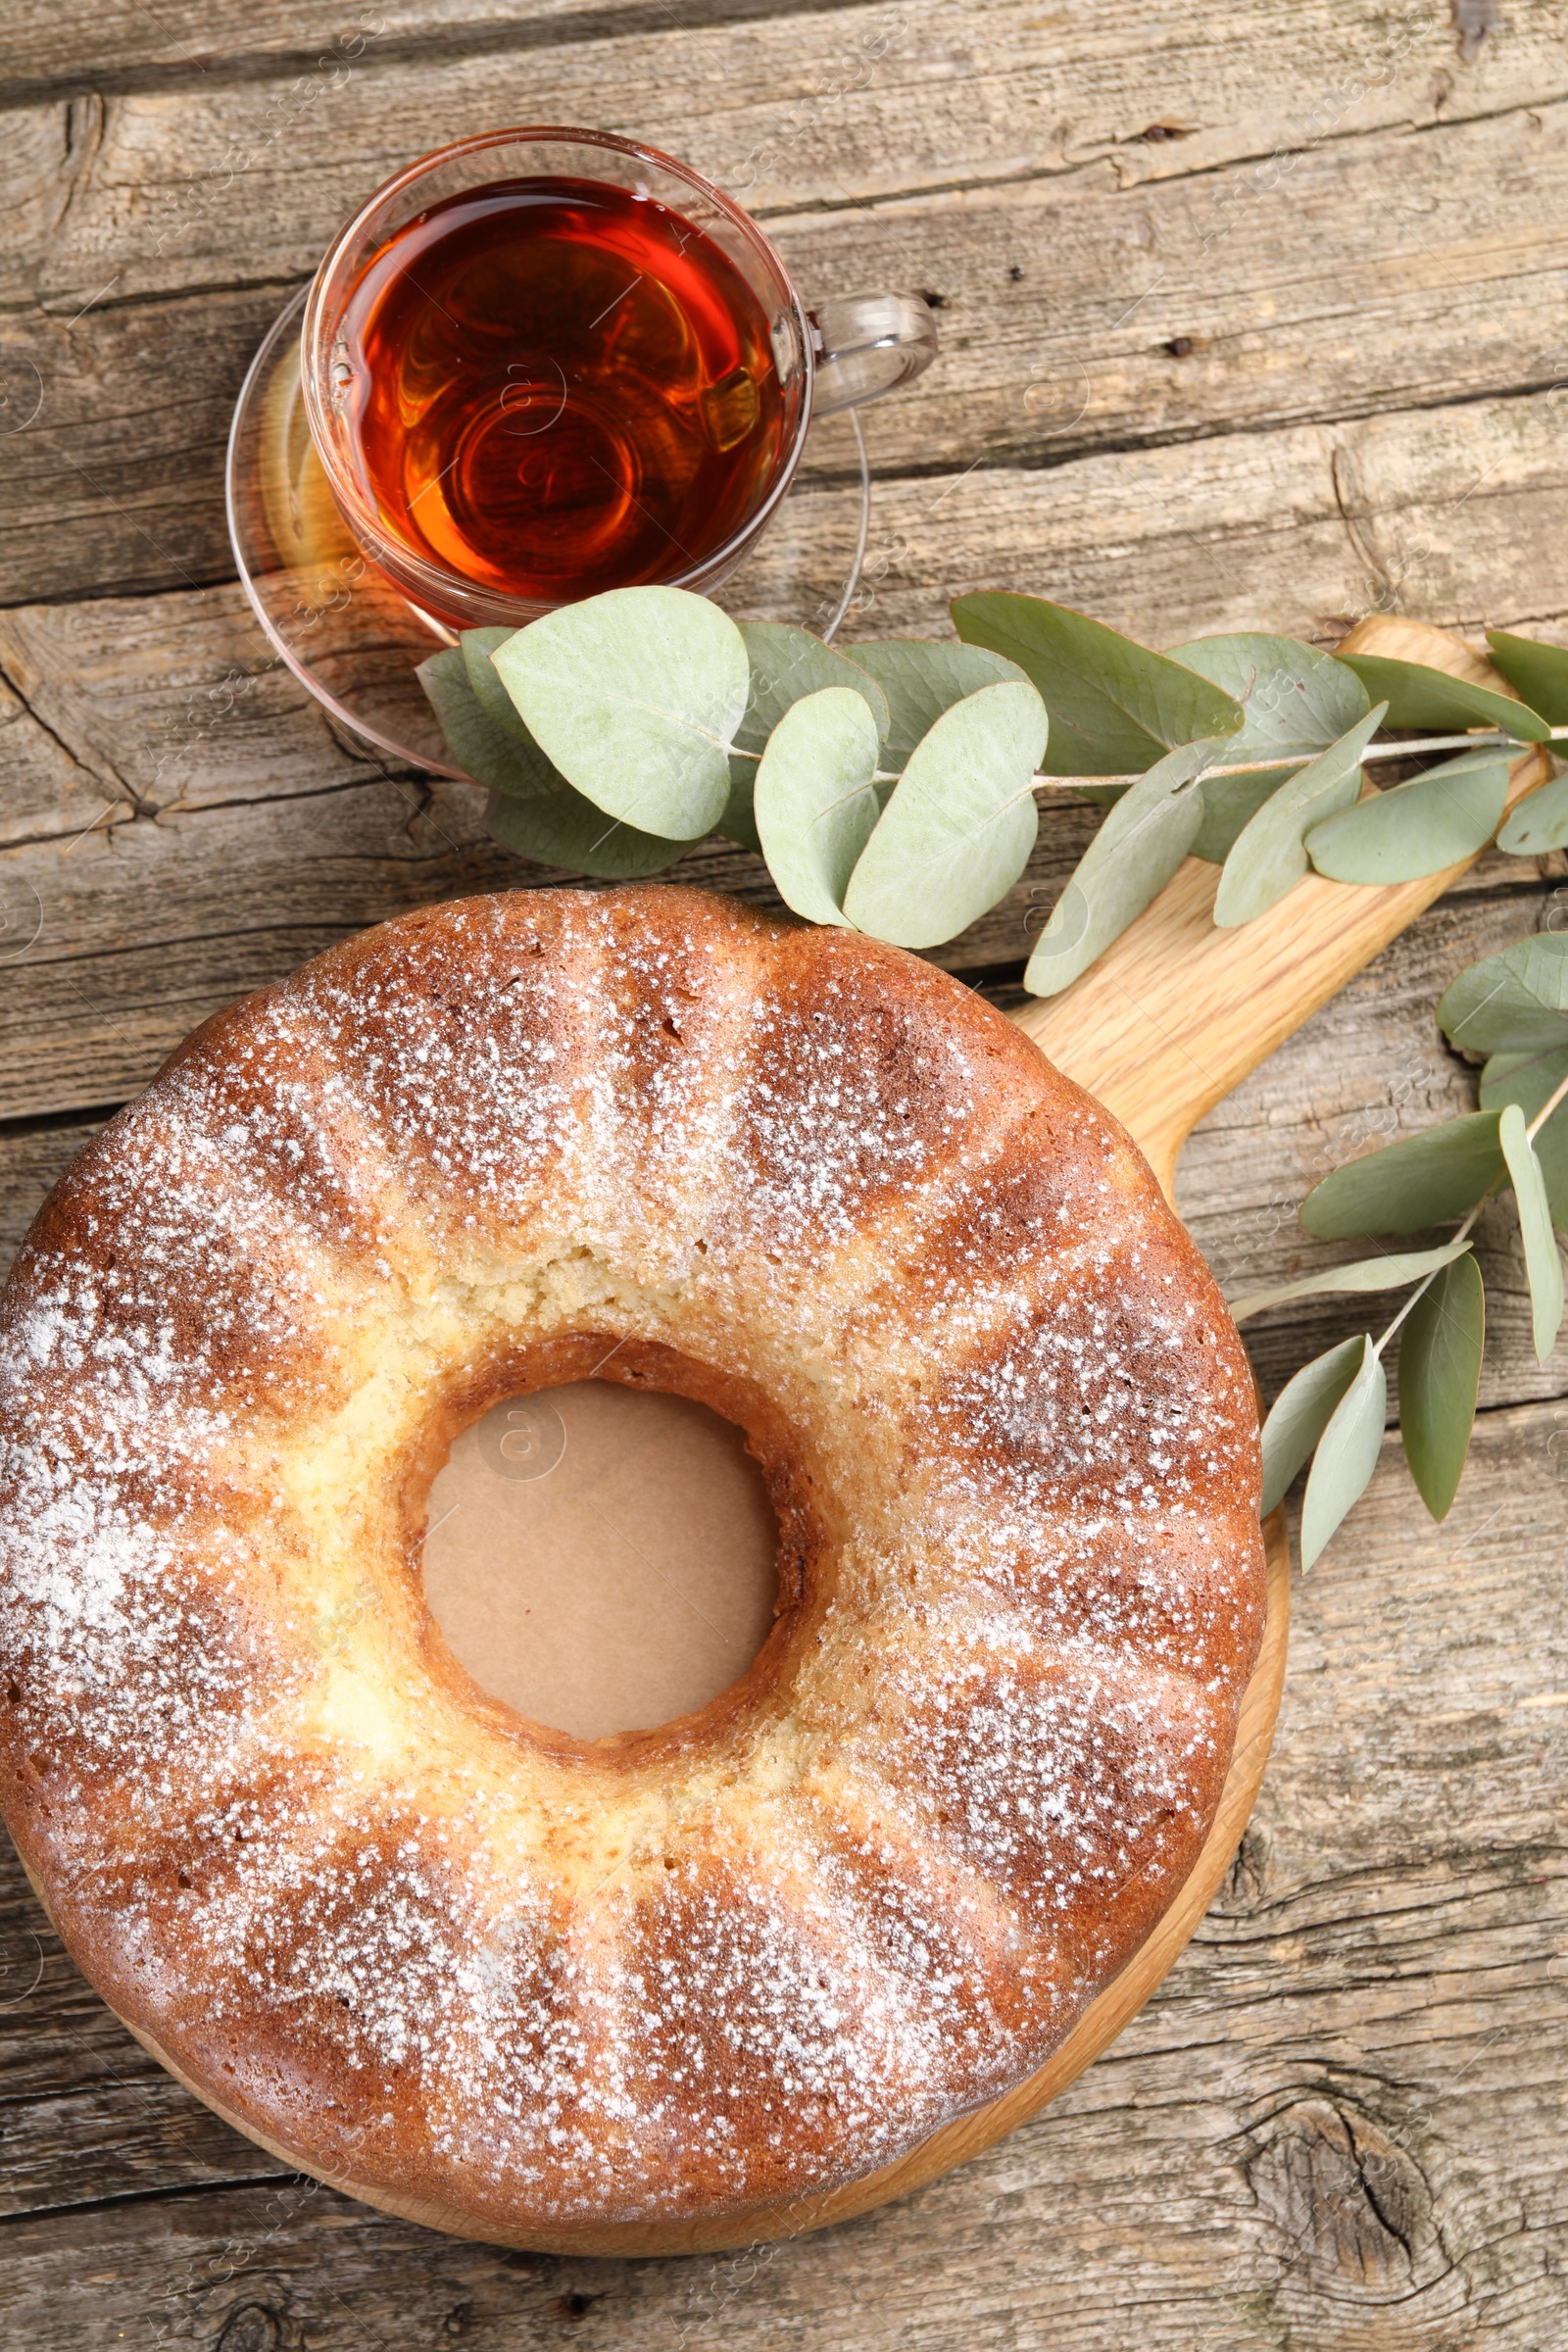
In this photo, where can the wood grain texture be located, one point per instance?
(1169, 310)
(1242, 74)
(230, 176)
(1336, 2128)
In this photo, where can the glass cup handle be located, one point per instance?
(868, 344)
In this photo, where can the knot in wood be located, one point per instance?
(1355, 2205)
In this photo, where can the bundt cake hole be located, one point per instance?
(601, 1555)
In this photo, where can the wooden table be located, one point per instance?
(1252, 321)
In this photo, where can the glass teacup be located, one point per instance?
(545, 361)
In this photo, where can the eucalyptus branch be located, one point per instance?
(894, 787)
(1422, 1287)
(1465, 1230)
(1495, 740)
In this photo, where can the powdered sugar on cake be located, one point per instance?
(536, 1983)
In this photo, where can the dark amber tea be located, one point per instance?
(555, 387)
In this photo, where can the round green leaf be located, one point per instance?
(814, 800)
(1387, 1273)
(507, 758)
(1417, 828)
(1144, 839)
(1294, 698)
(1230, 803)
(787, 664)
(1301, 1414)
(1420, 697)
(1347, 1455)
(635, 696)
(1115, 706)
(535, 810)
(1539, 822)
(923, 679)
(1422, 1180)
(1512, 1003)
(1269, 858)
(960, 825)
(562, 828)
(1441, 1347)
(476, 647)
(1539, 672)
(1543, 1264)
(1531, 1080)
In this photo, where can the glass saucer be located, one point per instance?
(348, 635)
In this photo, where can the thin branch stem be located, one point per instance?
(1559, 1093)
(1422, 1287)
(1546, 1109)
(1496, 741)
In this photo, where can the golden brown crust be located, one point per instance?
(469, 1961)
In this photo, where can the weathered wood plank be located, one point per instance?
(1461, 514)
(1406, 66)
(825, 107)
(1078, 314)
(117, 481)
(1337, 2126)
(1451, 515)
(74, 52)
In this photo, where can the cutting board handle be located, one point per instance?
(1176, 1012)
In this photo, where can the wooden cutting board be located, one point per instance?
(1171, 1018)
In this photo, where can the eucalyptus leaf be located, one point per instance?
(1115, 706)
(923, 679)
(1420, 697)
(960, 824)
(1301, 1412)
(1539, 822)
(1294, 698)
(1295, 701)
(737, 819)
(786, 665)
(1531, 1080)
(1271, 858)
(635, 696)
(1387, 1273)
(1539, 672)
(476, 647)
(1417, 828)
(1421, 1180)
(816, 802)
(562, 828)
(507, 758)
(1441, 1347)
(1131, 858)
(1543, 1264)
(1230, 803)
(1512, 1003)
(1347, 1455)
(535, 813)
